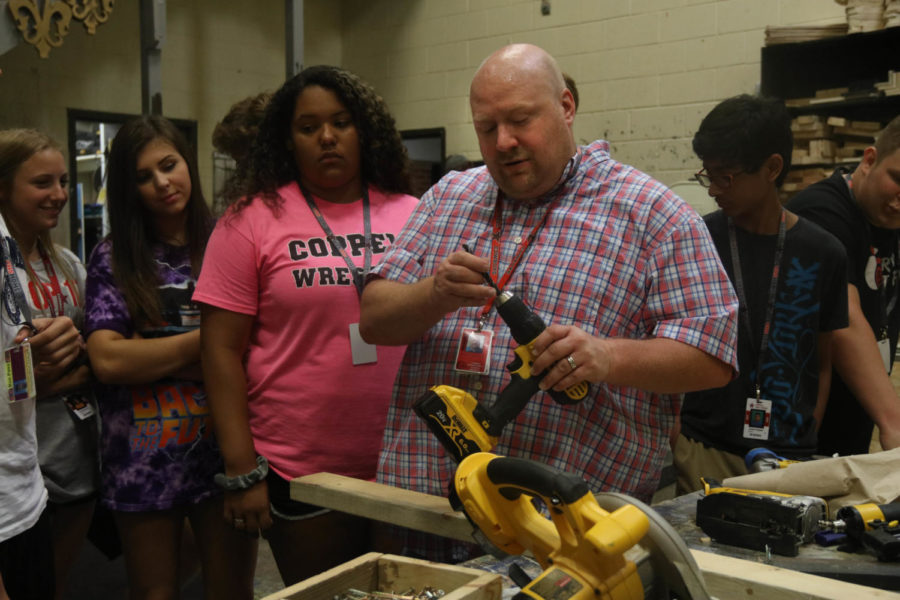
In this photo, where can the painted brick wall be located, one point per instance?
(647, 70)
(216, 52)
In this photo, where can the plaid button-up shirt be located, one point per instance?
(619, 256)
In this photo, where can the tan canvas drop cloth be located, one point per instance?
(842, 481)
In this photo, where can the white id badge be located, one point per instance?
(884, 347)
(363, 353)
(756, 419)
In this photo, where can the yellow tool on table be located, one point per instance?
(581, 546)
(875, 527)
(465, 426)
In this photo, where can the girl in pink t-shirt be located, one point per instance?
(292, 386)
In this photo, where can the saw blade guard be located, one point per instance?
(579, 538)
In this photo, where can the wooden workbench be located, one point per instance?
(726, 576)
(859, 568)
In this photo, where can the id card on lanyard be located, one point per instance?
(361, 352)
(758, 411)
(17, 362)
(473, 352)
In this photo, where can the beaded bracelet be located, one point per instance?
(245, 481)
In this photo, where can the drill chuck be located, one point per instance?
(858, 518)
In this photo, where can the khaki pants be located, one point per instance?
(694, 460)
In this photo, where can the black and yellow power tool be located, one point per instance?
(759, 520)
(460, 422)
(875, 527)
(581, 546)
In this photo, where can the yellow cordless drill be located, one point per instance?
(463, 425)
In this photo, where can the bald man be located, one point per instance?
(621, 268)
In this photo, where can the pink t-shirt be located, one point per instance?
(311, 409)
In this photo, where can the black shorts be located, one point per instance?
(26, 562)
(281, 503)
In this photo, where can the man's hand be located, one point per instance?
(658, 365)
(394, 313)
(458, 282)
(557, 344)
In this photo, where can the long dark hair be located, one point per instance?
(383, 159)
(132, 230)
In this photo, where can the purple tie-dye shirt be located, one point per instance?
(157, 448)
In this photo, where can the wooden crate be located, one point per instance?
(390, 573)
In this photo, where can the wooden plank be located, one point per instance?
(415, 510)
(728, 577)
(725, 577)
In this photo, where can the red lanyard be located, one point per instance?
(55, 288)
(497, 226)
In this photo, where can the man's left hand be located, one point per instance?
(570, 356)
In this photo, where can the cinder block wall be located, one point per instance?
(647, 70)
(216, 52)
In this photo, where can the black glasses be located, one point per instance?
(723, 182)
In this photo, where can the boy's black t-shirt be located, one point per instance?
(810, 299)
(874, 269)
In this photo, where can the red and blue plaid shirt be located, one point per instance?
(619, 256)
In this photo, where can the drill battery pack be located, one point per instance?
(759, 520)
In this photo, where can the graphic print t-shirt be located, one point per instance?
(810, 299)
(157, 447)
(311, 408)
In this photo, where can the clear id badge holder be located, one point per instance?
(19, 371)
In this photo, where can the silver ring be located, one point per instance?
(238, 522)
(571, 361)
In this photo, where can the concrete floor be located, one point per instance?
(95, 577)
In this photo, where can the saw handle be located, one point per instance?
(536, 479)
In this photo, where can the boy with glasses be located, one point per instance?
(789, 276)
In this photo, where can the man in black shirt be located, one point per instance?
(862, 209)
(789, 276)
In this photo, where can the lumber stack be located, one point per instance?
(823, 142)
(863, 15)
(803, 33)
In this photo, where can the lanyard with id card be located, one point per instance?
(473, 355)
(17, 362)
(758, 410)
(361, 352)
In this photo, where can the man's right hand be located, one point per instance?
(394, 313)
(458, 282)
